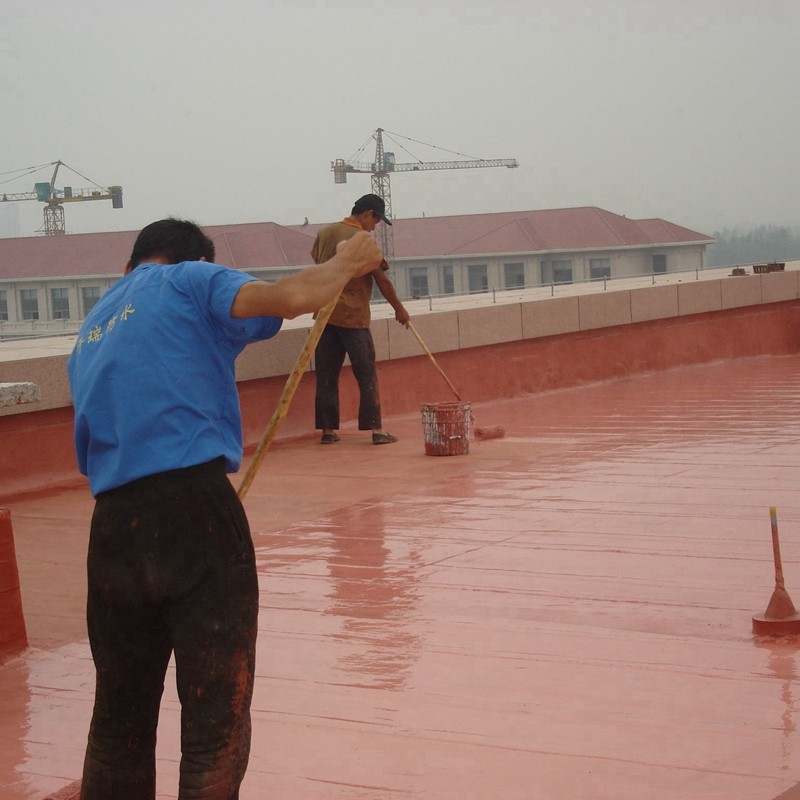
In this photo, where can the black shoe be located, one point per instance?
(383, 438)
(328, 438)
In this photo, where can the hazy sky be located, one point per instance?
(232, 112)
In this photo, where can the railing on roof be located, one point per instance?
(35, 329)
(539, 290)
(38, 329)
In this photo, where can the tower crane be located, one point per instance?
(46, 192)
(385, 163)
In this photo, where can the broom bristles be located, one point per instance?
(780, 605)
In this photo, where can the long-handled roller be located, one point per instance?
(287, 394)
(493, 432)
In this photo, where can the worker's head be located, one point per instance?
(369, 210)
(171, 241)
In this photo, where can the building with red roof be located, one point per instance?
(50, 282)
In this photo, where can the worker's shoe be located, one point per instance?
(383, 438)
(329, 438)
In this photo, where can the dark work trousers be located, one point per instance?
(334, 343)
(171, 569)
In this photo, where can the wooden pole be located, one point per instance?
(433, 360)
(289, 389)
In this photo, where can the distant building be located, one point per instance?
(49, 283)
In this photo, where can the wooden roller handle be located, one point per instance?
(286, 396)
(776, 547)
(433, 360)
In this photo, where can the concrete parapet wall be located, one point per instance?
(13, 636)
(489, 350)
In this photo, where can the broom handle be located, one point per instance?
(286, 396)
(433, 360)
(776, 547)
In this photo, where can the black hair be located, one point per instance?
(173, 240)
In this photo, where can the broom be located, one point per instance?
(492, 432)
(780, 604)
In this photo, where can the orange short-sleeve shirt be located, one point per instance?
(352, 310)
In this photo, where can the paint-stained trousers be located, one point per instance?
(171, 570)
(334, 343)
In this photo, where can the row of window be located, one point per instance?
(477, 279)
(514, 275)
(59, 303)
(477, 276)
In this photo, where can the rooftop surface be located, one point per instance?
(561, 613)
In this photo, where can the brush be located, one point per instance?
(781, 617)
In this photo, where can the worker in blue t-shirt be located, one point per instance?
(171, 567)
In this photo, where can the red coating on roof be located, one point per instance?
(562, 613)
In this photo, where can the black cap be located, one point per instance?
(371, 202)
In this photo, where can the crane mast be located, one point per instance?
(385, 163)
(381, 186)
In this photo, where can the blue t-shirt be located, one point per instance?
(152, 373)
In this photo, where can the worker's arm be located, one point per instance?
(386, 288)
(312, 288)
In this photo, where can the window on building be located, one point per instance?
(3, 307)
(659, 263)
(29, 303)
(514, 275)
(59, 301)
(599, 268)
(478, 278)
(562, 272)
(89, 296)
(448, 282)
(418, 281)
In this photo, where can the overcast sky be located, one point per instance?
(232, 112)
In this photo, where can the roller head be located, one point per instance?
(492, 432)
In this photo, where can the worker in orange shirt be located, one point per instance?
(347, 331)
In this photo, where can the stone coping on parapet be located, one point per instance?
(12, 394)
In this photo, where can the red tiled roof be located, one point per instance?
(267, 244)
(261, 244)
(246, 246)
(534, 231)
(72, 255)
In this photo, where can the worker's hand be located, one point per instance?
(402, 316)
(362, 250)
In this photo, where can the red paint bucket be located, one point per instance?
(446, 428)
